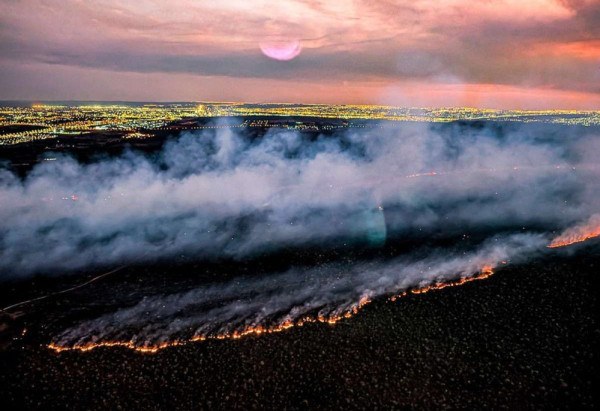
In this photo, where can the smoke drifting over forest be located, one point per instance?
(268, 303)
(224, 194)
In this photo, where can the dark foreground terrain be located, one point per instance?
(526, 338)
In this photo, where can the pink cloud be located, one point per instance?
(544, 46)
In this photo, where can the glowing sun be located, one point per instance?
(282, 50)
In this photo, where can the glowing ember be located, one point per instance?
(331, 319)
(578, 234)
(485, 272)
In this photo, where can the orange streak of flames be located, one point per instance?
(485, 272)
(578, 234)
(332, 319)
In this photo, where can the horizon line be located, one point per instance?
(30, 101)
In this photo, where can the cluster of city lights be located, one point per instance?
(43, 121)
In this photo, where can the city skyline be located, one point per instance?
(543, 54)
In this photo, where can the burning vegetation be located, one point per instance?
(578, 234)
(331, 319)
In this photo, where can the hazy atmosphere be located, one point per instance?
(537, 54)
(299, 204)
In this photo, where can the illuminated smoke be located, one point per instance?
(579, 233)
(221, 194)
(275, 302)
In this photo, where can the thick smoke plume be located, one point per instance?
(225, 194)
(221, 193)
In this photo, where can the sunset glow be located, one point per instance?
(540, 54)
(294, 204)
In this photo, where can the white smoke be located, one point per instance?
(221, 193)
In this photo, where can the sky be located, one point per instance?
(513, 54)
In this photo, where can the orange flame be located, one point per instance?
(485, 272)
(578, 234)
(331, 319)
